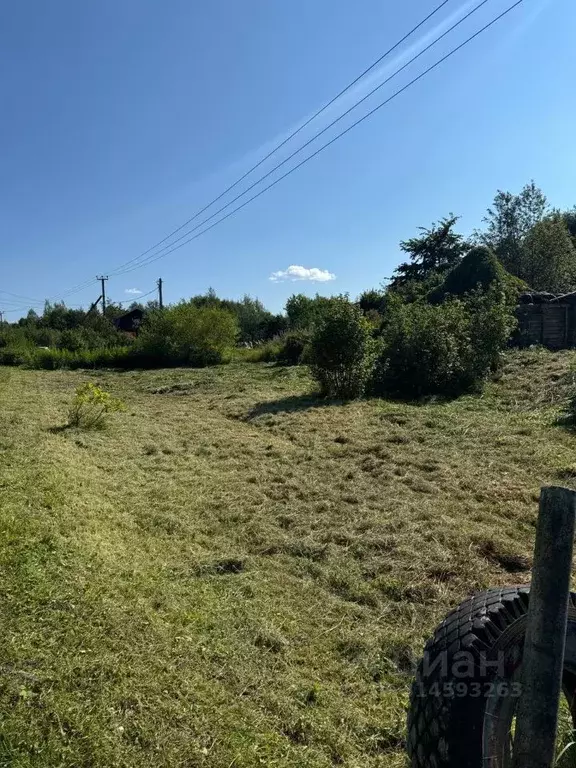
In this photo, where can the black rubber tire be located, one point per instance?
(448, 731)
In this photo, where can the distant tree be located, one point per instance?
(371, 300)
(256, 323)
(274, 325)
(417, 290)
(508, 222)
(549, 256)
(570, 221)
(252, 316)
(114, 310)
(32, 319)
(437, 250)
(304, 311)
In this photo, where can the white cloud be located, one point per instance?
(134, 291)
(296, 272)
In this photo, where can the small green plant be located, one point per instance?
(91, 405)
(569, 415)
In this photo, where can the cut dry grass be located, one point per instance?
(236, 574)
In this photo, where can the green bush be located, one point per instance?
(54, 359)
(421, 349)
(10, 355)
(304, 312)
(479, 268)
(372, 300)
(262, 353)
(441, 349)
(293, 346)
(492, 323)
(340, 350)
(185, 335)
(569, 414)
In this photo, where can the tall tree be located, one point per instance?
(509, 221)
(371, 300)
(437, 250)
(570, 220)
(303, 311)
(549, 256)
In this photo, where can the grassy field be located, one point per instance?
(234, 574)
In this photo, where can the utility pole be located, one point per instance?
(1, 317)
(103, 279)
(160, 301)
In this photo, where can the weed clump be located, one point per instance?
(91, 405)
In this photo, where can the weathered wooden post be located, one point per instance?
(537, 715)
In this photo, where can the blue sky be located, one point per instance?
(121, 118)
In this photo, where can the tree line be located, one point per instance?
(452, 297)
(533, 241)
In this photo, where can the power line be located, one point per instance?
(74, 289)
(80, 306)
(136, 299)
(291, 136)
(18, 296)
(329, 143)
(28, 308)
(311, 140)
(41, 302)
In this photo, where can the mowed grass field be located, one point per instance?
(234, 574)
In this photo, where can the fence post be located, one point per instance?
(537, 714)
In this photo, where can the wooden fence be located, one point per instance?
(551, 324)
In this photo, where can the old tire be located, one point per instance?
(463, 699)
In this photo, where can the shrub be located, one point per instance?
(569, 415)
(54, 359)
(492, 322)
(293, 346)
(479, 268)
(372, 301)
(421, 349)
(79, 339)
(10, 355)
(339, 351)
(186, 335)
(262, 353)
(304, 312)
(441, 349)
(91, 405)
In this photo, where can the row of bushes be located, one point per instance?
(52, 359)
(183, 334)
(421, 349)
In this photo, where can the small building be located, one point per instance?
(547, 319)
(131, 321)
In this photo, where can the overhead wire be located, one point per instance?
(401, 90)
(119, 271)
(136, 298)
(177, 244)
(291, 135)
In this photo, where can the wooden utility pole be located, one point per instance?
(160, 301)
(543, 660)
(103, 279)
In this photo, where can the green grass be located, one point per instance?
(234, 574)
